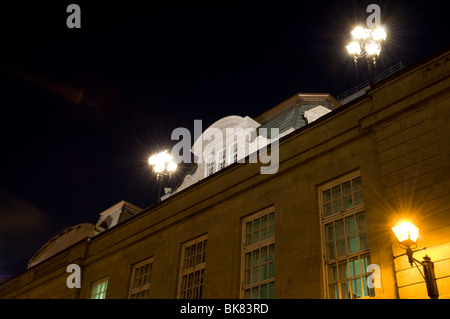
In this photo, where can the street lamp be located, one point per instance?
(407, 234)
(367, 43)
(162, 164)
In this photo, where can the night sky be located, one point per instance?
(82, 109)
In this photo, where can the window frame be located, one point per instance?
(334, 218)
(209, 161)
(267, 242)
(197, 267)
(221, 159)
(144, 287)
(233, 149)
(96, 283)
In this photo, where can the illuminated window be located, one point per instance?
(345, 240)
(258, 256)
(98, 290)
(221, 156)
(192, 269)
(209, 166)
(140, 279)
(233, 152)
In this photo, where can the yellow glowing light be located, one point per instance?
(162, 162)
(152, 160)
(354, 48)
(359, 33)
(159, 168)
(379, 34)
(406, 231)
(373, 48)
(171, 167)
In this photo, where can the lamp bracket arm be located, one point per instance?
(417, 261)
(413, 251)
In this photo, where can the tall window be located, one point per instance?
(345, 241)
(233, 152)
(98, 290)
(221, 157)
(258, 256)
(209, 169)
(192, 270)
(140, 279)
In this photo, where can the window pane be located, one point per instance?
(255, 293)
(183, 282)
(339, 228)
(367, 291)
(204, 252)
(264, 254)
(345, 289)
(340, 247)
(255, 274)
(256, 223)
(248, 260)
(248, 228)
(256, 232)
(328, 210)
(271, 225)
(336, 192)
(334, 291)
(271, 218)
(248, 239)
(357, 288)
(350, 225)
(263, 291)
(348, 202)
(264, 271)
(255, 259)
(332, 273)
(365, 261)
(264, 221)
(356, 183)
(346, 188)
(329, 232)
(363, 241)
(271, 251)
(352, 246)
(353, 266)
(337, 206)
(247, 276)
(343, 270)
(331, 250)
(271, 290)
(190, 279)
(359, 199)
(264, 227)
(327, 196)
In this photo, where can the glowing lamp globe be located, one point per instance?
(406, 233)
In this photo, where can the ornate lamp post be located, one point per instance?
(367, 43)
(407, 234)
(162, 164)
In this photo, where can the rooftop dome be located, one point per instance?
(64, 239)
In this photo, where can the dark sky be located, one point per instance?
(82, 109)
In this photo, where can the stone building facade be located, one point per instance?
(308, 231)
